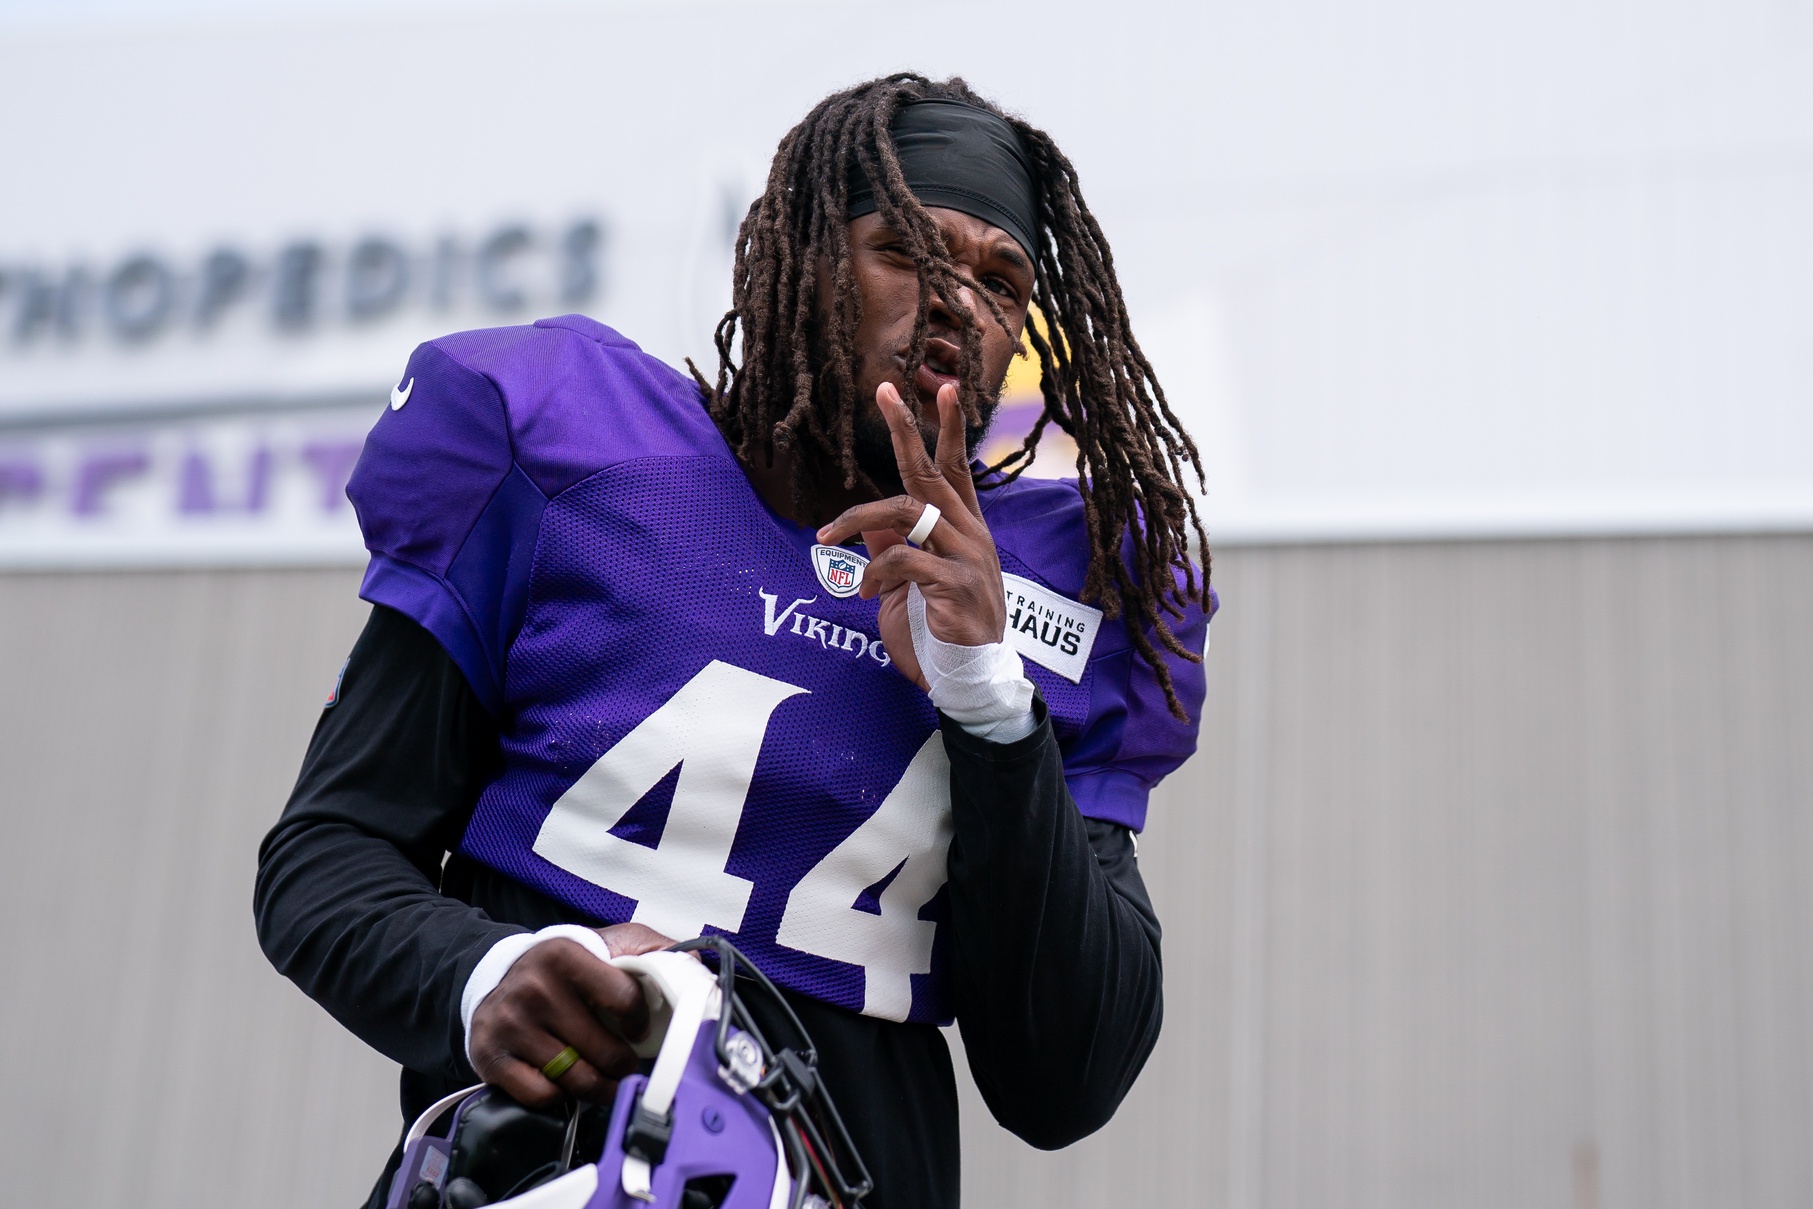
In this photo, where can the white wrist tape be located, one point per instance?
(497, 961)
(983, 688)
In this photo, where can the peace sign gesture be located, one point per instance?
(955, 564)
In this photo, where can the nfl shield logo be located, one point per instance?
(838, 569)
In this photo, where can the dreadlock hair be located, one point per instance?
(796, 386)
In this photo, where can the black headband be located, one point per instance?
(963, 158)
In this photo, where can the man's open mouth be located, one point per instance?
(941, 365)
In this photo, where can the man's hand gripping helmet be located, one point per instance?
(722, 1120)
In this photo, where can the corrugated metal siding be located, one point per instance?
(149, 730)
(1484, 890)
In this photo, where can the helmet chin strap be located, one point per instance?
(680, 984)
(781, 1196)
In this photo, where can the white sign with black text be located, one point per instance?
(1050, 629)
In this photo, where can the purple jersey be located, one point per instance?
(700, 727)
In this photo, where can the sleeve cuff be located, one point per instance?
(959, 736)
(1112, 795)
(1007, 730)
(426, 600)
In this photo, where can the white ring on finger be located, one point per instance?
(928, 520)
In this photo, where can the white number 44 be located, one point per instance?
(713, 730)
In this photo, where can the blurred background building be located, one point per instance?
(1487, 887)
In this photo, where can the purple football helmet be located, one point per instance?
(723, 1119)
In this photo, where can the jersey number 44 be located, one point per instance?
(713, 730)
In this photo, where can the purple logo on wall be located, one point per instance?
(261, 483)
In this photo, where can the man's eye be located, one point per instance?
(1003, 287)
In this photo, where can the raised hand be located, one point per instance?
(955, 566)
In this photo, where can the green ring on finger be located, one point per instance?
(561, 1063)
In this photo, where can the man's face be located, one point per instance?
(889, 288)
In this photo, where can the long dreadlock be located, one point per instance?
(796, 387)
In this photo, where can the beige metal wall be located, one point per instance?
(1486, 890)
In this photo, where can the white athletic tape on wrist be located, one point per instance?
(497, 961)
(928, 520)
(982, 688)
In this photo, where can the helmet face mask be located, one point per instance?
(726, 1117)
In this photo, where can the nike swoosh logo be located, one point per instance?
(399, 395)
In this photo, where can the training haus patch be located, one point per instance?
(1053, 631)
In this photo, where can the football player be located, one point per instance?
(769, 655)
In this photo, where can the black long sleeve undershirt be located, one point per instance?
(1054, 946)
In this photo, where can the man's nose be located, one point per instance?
(941, 311)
